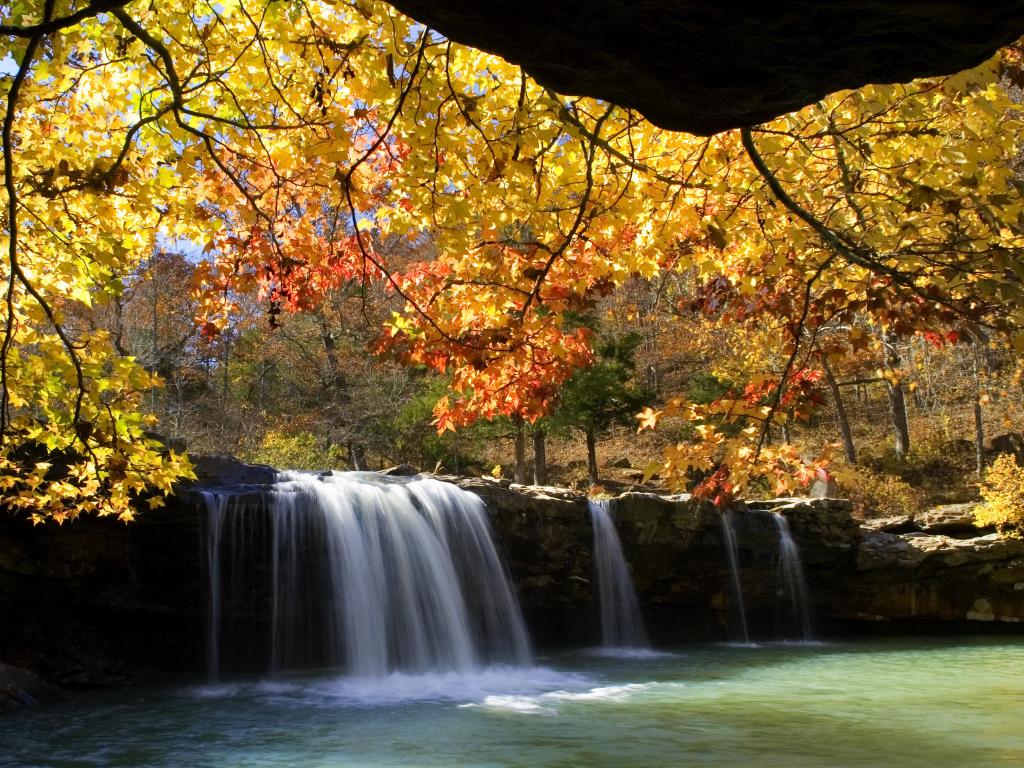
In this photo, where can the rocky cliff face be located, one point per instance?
(675, 548)
(857, 578)
(100, 603)
(703, 66)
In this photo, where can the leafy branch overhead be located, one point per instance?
(282, 145)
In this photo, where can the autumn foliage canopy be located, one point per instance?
(284, 142)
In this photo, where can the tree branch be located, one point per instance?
(49, 26)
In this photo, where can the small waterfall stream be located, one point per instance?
(369, 573)
(791, 582)
(621, 623)
(216, 506)
(791, 608)
(732, 550)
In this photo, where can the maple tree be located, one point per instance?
(287, 141)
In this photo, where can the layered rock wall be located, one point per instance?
(97, 602)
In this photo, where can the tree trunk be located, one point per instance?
(979, 438)
(898, 416)
(842, 420)
(225, 392)
(979, 422)
(155, 364)
(592, 456)
(519, 436)
(897, 398)
(540, 457)
(226, 379)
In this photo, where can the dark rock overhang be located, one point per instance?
(704, 66)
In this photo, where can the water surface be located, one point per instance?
(898, 704)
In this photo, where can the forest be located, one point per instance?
(322, 235)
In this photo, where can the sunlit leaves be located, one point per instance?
(284, 142)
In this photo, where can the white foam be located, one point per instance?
(604, 693)
(547, 703)
(447, 686)
(401, 688)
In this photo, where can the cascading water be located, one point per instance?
(216, 506)
(791, 584)
(621, 624)
(728, 523)
(369, 573)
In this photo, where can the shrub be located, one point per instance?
(300, 450)
(878, 494)
(1003, 494)
(941, 470)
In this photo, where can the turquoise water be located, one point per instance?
(897, 704)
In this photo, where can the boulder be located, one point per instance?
(1011, 443)
(22, 688)
(948, 519)
(892, 552)
(890, 524)
(402, 470)
(219, 469)
(825, 489)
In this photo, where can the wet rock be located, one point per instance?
(215, 469)
(402, 470)
(22, 688)
(96, 602)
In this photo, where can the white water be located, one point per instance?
(547, 703)
(792, 585)
(404, 688)
(732, 550)
(216, 506)
(621, 624)
(376, 575)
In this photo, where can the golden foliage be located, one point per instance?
(299, 450)
(285, 139)
(878, 494)
(1003, 494)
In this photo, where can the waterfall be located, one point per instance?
(216, 506)
(621, 624)
(791, 583)
(366, 572)
(728, 523)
